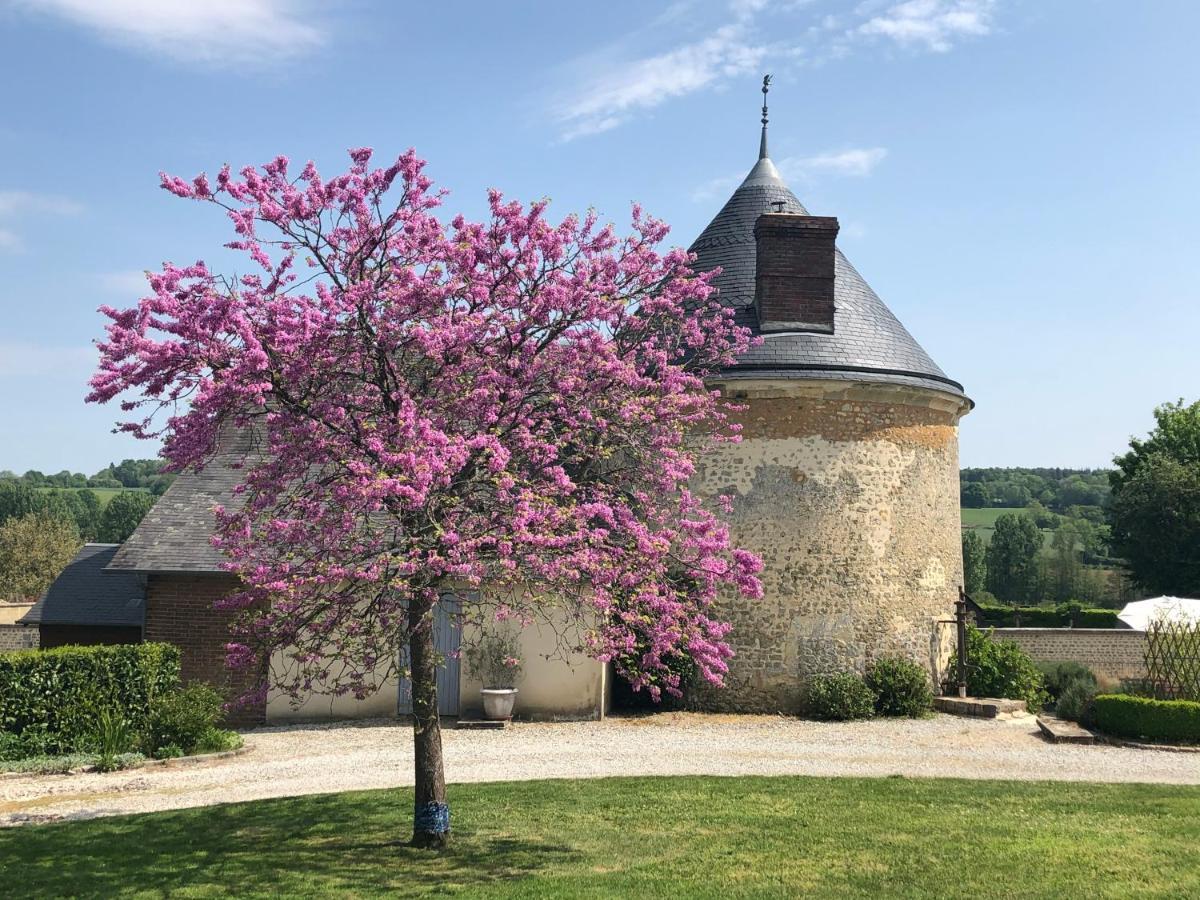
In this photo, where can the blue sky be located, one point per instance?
(1017, 179)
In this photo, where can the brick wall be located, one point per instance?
(18, 637)
(794, 272)
(179, 610)
(1112, 652)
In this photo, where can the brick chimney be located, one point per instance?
(793, 285)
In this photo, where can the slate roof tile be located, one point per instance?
(868, 341)
(85, 594)
(175, 536)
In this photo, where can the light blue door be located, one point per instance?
(447, 637)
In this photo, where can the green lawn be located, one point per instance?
(984, 518)
(643, 837)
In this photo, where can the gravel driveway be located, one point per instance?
(329, 758)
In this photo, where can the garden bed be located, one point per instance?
(144, 762)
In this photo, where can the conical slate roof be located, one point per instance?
(868, 342)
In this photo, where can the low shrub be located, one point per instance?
(1071, 687)
(33, 741)
(52, 699)
(1075, 702)
(1061, 675)
(182, 719)
(61, 765)
(1128, 716)
(48, 765)
(1000, 669)
(1136, 687)
(840, 697)
(901, 688)
(218, 740)
(11, 746)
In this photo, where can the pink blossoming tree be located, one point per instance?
(510, 405)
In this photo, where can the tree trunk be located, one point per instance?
(431, 814)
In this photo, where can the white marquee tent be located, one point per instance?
(1140, 613)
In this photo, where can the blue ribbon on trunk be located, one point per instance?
(432, 818)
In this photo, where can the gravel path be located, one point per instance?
(329, 758)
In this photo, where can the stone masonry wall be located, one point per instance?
(849, 492)
(1113, 653)
(18, 637)
(12, 635)
(179, 610)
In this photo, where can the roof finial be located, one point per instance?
(762, 144)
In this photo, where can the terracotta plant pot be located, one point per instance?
(498, 702)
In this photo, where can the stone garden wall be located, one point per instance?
(849, 492)
(12, 635)
(18, 637)
(1114, 653)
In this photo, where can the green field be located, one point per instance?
(642, 837)
(983, 523)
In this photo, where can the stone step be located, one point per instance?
(980, 707)
(483, 724)
(1060, 731)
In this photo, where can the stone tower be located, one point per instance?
(846, 480)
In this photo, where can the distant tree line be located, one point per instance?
(146, 474)
(1012, 568)
(1058, 490)
(1137, 524)
(107, 523)
(41, 528)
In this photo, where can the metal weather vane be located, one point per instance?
(762, 144)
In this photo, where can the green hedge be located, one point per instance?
(1128, 716)
(1062, 616)
(53, 698)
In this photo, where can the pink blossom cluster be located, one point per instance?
(505, 403)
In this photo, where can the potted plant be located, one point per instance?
(495, 660)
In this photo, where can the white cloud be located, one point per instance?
(755, 36)
(127, 282)
(932, 24)
(856, 162)
(24, 204)
(26, 360)
(249, 32)
(19, 202)
(746, 9)
(625, 87)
